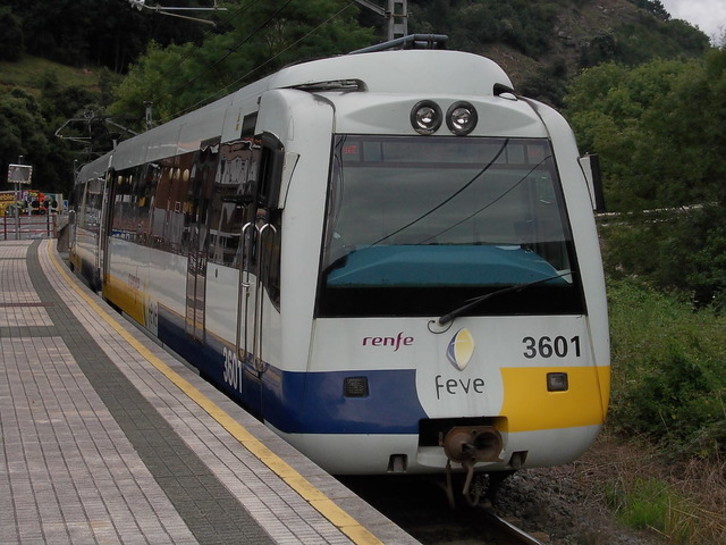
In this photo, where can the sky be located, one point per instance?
(708, 15)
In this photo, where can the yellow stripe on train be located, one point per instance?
(529, 405)
(126, 296)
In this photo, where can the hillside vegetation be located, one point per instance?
(29, 73)
(177, 64)
(543, 44)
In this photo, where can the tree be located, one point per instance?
(655, 7)
(24, 130)
(20, 117)
(11, 36)
(660, 130)
(105, 32)
(640, 122)
(265, 37)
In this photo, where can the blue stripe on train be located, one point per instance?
(314, 403)
(296, 402)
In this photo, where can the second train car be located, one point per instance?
(389, 257)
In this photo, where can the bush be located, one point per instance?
(11, 36)
(669, 379)
(682, 250)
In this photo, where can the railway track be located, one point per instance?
(505, 533)
(421, 508)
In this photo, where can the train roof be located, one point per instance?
(95, 169)
(408, 71)
(402, 71)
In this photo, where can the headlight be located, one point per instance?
(426, 117)
(461, 118)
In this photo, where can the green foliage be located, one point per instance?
(655, 7)
(20, 114)
(632, 44)
(63, 101)
(638, 40)
(526, 26)
(641, 504)
(262, 39)
(29, 73)
(103, 32)
(11, 36)
(683, 250)
(650, 503)
(650, 34)
(27, 127)
(669, 379)
(658, 129)
(529, 38)
(601, 49)
(547, 83)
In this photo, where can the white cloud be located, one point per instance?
(708, 15)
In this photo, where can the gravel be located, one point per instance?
(566, 505)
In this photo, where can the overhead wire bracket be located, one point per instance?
(166, 10)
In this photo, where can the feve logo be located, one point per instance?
(460, 349)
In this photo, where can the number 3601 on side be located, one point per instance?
(548, 347)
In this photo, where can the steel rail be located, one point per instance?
(508, 533)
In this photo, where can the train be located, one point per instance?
(389, 257)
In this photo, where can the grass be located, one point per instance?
(29, 71)
(683, 510)
(641, 503)
(668, 402)
(669, 372)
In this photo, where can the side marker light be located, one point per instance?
(355, 387)
(557, 382)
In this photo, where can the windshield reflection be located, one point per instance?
(444, 213)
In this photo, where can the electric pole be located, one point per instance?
(397, 14)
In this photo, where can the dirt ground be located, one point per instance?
(567, 505)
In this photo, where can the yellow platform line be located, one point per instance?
(319, 501)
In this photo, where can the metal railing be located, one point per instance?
(26, 227)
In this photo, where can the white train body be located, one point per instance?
(325, 316)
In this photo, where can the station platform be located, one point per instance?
(107, 438)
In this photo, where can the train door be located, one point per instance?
(259, 253)
(196, 284)
(198, 202)
(105, 227)
(94, 232)
(74, 205)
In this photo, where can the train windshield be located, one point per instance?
(417, 226)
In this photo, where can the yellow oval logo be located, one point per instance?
(461, 348)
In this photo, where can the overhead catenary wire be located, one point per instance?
(227, 20)
(224, 21)
(233, 49)
(220, 92)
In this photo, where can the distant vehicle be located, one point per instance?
(389, 257)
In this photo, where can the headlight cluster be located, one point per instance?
(426, 117)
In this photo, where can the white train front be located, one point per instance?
(388, 257)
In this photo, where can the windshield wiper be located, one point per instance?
(471, 303)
